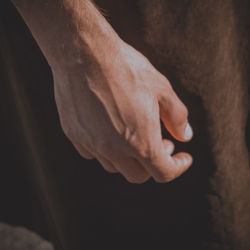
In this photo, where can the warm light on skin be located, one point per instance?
(110, 98)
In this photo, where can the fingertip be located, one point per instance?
(188, 160)
(181, 163)
(183, 160)
(188, 132)
(169, 146)
(183, 135)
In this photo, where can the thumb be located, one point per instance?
(174, 115)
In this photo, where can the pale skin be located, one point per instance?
(110, 98)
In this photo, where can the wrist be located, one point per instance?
(85, 40)
(69, 33)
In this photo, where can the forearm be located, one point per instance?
(68, 30)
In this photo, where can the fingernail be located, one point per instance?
(188, 132)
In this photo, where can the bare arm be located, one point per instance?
(109, 97)
(67, 30)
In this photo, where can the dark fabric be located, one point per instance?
(203, 49)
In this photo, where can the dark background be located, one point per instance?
(38, 178)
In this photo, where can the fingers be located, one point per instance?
(148, 155)
(131, 169)
(174, 115)
(155, 154)
(163, 167)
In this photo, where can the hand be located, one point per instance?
(111, 111)
(109, 97)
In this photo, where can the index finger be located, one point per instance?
(157, 160)
(163, 167)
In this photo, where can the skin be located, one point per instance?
(110, 98)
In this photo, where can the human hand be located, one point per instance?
(109, 97)
(111, 111)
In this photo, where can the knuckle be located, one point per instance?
(168, 86)
(130, 137)
(143, 149)
(143, 153)
(164, 82)
(148, 154)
